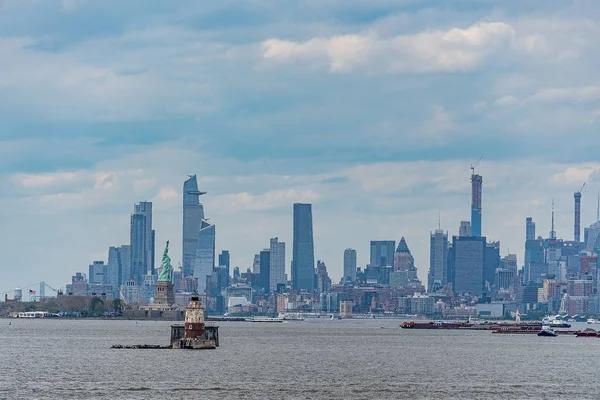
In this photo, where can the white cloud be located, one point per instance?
(453, 50)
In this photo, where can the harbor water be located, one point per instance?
(312, 359)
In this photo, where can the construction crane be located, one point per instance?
(474, 165)
(58, 292)
(581, 190)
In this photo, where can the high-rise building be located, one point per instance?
(492, 262)
(142, 242)
(265, 270)
(323, 280)
(464, 229)
(382, 252)
(577, 217)
(96, 273)
(256, 264)
(277, 264)
(476, 191)
(119, 268)
(193, 214)
(469, 260)
(224, 261)
(303, 252)
(350, 265)
(438, 260)
(529, 229)
(205, 254)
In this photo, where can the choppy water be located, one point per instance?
(370, 359)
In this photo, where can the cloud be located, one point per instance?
(429, 51)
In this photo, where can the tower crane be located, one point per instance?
(582, 186)
(58, 292)
(476, 163)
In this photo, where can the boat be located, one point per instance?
(593, 321)
(291, 317)
(587, 333)
(263, 319)
(547, 331)
(435, 325)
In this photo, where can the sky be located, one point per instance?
(371, 110)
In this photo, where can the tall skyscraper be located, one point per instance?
(224, 261)
(464, 229)
(577, 217)
(469, 260)
(193, 214)
(529, 229)
(141, 242)
(438, 260)
(382, 252)
(205, 254)
(118, 268)
(265, 270)
(350, 265)
(476, 189)
(303, 252)
(492, 262)
(277, 264)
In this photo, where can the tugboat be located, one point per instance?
(547, 331)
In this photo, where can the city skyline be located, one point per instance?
(269, 114)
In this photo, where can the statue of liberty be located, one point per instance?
(165, 273)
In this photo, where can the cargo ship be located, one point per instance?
(435, 325)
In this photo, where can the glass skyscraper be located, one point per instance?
(193, 214)
(276, 263)
(205, 254)
(382, 252)
(141, 242)
(350, 265)
(303, 253)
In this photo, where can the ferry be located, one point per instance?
(263, 319)
(291, 317)
(35, 314)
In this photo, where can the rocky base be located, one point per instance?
(194, 344)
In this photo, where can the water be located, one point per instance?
(320, 359)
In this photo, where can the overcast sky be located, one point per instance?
(372, 110)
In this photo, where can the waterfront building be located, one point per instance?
(303, 253)
(276, 263)
(349, 265)
(193, 214)
(142, 239)
(438, 260)
(346, 309)
(464, 229)
(476, 209)
(469, 260)
(205, 254)
(96, 273)
(382, 252)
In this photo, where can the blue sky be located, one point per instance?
(371, 110)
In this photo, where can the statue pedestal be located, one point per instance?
(164, 294)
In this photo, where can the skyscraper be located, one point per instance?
(265, 270)
(469, 260)
(193, 214)
(529, 229)
(577, 224)
(350, 265)
(382, 252)
(438, 260)
(476, 189)
(464, 229)
(277, 264)
(205, 254)
(141, 242)
(224, 261)
(303, 252)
